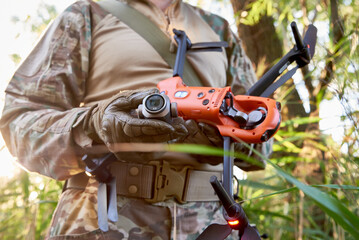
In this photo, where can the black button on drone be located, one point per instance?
(205, 102)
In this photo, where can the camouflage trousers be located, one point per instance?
(76, 218)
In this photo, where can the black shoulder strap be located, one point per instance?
(151, 33)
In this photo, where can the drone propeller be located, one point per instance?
(234, 215)
(301, 53)
(310, 39)
(215, 232)
(250, 233)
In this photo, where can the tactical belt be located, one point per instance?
(156, 182)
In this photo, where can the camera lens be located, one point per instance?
(155, 103)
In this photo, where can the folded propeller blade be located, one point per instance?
(215, 232)
(250, 233)
(310, 39)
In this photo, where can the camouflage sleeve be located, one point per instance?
(240, 76)
(42, 104)
(240, 73)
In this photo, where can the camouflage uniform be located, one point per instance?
(44, 108)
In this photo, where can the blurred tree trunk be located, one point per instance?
(260, 41)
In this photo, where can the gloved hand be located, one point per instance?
(204, 134)
(251, 161)
(111, 122)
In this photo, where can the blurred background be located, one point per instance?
(317, 143)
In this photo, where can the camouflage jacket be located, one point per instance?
(43, 99)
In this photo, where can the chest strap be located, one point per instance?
(156, 182)
(152, 34)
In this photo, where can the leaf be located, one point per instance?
(335, 186)
(211, 151)
(197, 149)
(290, 147)
(273, 193)
(354, 43)
(290, 159)
(300, 121)
(273, 214)
(264, 186)
(254, 184)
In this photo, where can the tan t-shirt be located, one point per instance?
(121, 59)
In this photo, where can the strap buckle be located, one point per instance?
(168, 183)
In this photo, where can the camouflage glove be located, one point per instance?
(204, 134)
(111, 122)
(251, 161)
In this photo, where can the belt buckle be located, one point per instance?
(168, 183)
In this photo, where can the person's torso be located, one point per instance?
(121, 59)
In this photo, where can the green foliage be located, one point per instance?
(15, 58)
(337, 201)
(45, 14)
(27, 202)
(330, 205)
